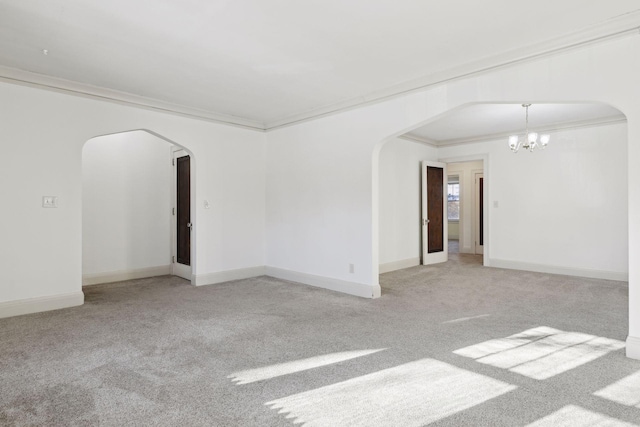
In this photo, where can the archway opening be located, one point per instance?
(133, 201)
(542, 208)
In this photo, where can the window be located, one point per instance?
(453, 201)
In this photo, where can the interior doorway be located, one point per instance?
(181, 224)
(466, 191)
(434, 213)
(128, 208)
(453, 213)
(479, 212)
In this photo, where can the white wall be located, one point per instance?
(564, 207)
(465, 230)
(126, 203)
(453, 231)
(41, 251)
(316, 191)
(399, 220)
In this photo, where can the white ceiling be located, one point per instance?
(272, 62)
(483, 121)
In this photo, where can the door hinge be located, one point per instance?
(173, 260)
(173, 211)
(173, 162)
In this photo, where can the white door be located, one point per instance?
(479, 213)
(434, 213)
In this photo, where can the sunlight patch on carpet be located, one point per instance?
(626, 391)
(286, 368)
(541, 353)
(412, 394)
(464, 319)
(575, 416)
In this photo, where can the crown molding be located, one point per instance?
(41, 81)
(554, 128)
(618, 27)
(420, 140)
(621, 26)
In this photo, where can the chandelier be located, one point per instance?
(530, 139)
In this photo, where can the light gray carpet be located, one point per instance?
(160, 352)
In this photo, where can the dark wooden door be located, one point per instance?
(183, 210)
(435, 203)
(481, 212)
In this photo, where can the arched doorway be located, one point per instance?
(136, 200)
(530, 195)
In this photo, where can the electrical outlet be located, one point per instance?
(352, 268)
(49, 202)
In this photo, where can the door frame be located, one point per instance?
(434, 257)
(177, 269)
(486, 260)
(477, 173)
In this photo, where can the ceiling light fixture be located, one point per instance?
(530, 140)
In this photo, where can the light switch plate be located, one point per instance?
(49, 202)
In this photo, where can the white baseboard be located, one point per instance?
(38, 304)
(227, 275)
(119, 276)
(352, 288)
(398, 265)
(553, 269)
(633, 347)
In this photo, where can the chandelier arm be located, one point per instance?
(530, 144)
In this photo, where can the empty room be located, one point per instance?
(320, 213)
